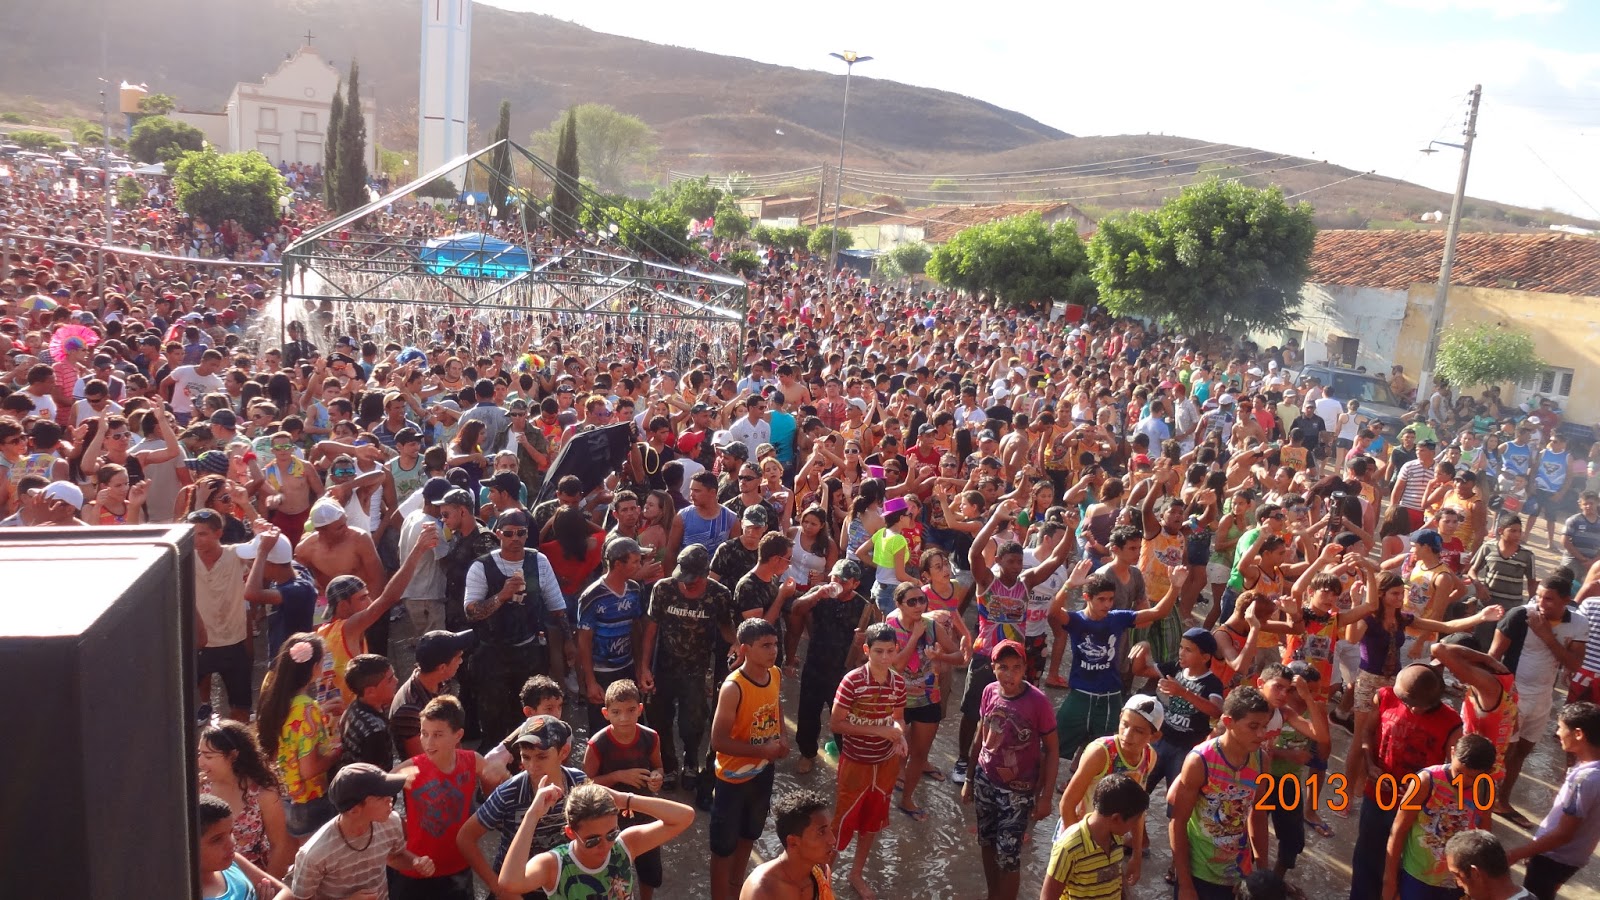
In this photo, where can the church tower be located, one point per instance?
(442, 105)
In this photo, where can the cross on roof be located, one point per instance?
(308, 37)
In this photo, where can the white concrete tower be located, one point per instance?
(446, 62)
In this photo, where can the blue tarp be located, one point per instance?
(474, 255)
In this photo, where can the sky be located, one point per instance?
(1359, 83)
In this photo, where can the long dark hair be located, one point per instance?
(470, 438)
(824, 541)
(285, 680)
(249, 763)
(571, 531)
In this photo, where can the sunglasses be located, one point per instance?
(747, 478)
(118, 435)
(918, 600)
(285, 447)
(594, 840)
(515, 533)
(852, 451)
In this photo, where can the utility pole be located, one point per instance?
(1436, 311)
(822, 192)
(850, 58)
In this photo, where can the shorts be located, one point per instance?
(1347, 663)
(1037, 649)
(927, 714)
(980, 674)
(648, 867)
(884, 594)
(1003, 818)
(1412, 888)
(1217, 573)
(863, 797)
(739, 811)
(1545, 876)
(1343, 443)
(1584, 687)
(439, 887)
(1539, 503)
(1367, 685)
(1533, 713)
(1082, 717)
(232, 663)
(426, 615)
(303, 819)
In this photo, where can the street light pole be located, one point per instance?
(1436, 311)
(850, 58)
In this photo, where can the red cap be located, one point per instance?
(1008, 646)
(689, 442)
(1139, 459)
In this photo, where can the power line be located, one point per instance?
(1173, 161)
(1328, 185)
(860, 186)
(1163, 172)
(1067, 168)
(1560, 179)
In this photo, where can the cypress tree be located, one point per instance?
(353, 146)
(501, 176)
(330, 152)
(565, 198)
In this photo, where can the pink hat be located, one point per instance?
(894, 505)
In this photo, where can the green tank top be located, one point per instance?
(614, 880)
(1444, 812)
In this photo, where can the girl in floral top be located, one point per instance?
(232, 767)
(924, 639)
(295, 732)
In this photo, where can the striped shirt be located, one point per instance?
(1590, 609)
(331, 867)
(1416, 476)
(867, 702)
(1083, 868)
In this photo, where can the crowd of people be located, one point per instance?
(1120, 558)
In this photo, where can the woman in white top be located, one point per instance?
(1350, 423)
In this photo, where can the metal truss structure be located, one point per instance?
(497, 259)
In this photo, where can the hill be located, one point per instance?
(713, 113)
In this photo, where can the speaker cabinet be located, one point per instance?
(96, 642)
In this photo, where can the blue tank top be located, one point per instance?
(1552, 471)
(1515, 460)
(708, 533)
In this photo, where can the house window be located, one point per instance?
(1342, 351)
(308, 122)
(268, 119)
(1551, 384)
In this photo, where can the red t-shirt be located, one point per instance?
(1409, 741)
(437, 804)
(869, 703)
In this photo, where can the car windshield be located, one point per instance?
(1363, 388)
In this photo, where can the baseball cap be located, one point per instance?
(1226, 399)
(325, 512)
(755, 515)
(735, 449)
(225, 418)
(343, 588)
(437, 648)
(456, 497)
(689, 442)
(1202, 639)
(543, 733)
(1140, 459)
(515, 518)
(694, 563)
(407, 436)
(358, 781)
(847, 570)
(64, 491)
(211, 462)
(435, 489)
(1005, 647)
(1429, 538)
(1429, 445)
(506, 483)
(1148, 708)
(621, 548)
(280, 553)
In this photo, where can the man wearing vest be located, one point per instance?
(515, 604)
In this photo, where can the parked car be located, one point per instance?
(1377, 401)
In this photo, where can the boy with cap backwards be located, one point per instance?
(1013, 762)
(543, 745)
(275, 580)
(1128, 751)
(348, 858)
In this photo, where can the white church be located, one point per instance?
(285, 114)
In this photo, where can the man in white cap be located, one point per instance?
(334, 548)
(61, 502)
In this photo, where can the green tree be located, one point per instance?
(798, 238)
(158, 139)
(694, 197)
(765, 235)
(569, 169)
(906, 260)
(353, 146)
(1020, 260)
(821, 240)
(1486, 354)
(502, 179)
(13, 118)
(37, 141)
(130, 193)
(245, 187)
(732, 224)
(743, 262)
(613, 143)
(1220, 256)
(157, 105)
(644, 227)
(330, 150)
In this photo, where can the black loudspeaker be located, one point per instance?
(96, 643)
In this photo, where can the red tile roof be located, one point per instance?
(1550, 263)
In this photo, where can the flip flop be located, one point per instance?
(933, 775)
(1322, 828)
(919, 815)
(1171, 877)
(1516, 818)
(1055, 681)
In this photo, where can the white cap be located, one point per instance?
(1226, 399)
(1147, 708)
(1253, 371)
(281, 553)
(64, 490)
(325, 512)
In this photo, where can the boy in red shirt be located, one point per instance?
(869, 711)
(441, 782)
(626, 756)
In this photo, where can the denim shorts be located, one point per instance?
(303, 819)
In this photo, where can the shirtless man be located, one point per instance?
(336, 548)
(1015, 450)
(288, 487)
(800, 872)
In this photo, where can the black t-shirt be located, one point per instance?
(1186, 726)
(364, 737)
